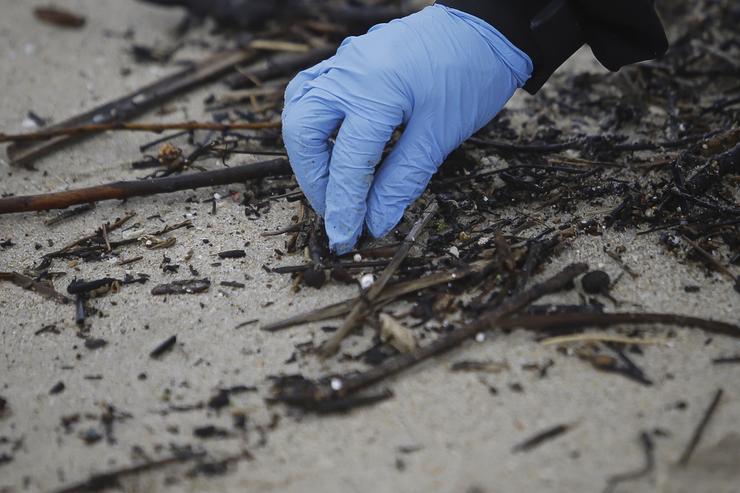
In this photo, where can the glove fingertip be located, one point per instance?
(381, 220)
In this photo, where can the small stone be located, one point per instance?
(58, 388)
(336, 384)
(596, 282)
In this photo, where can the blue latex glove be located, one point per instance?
(442, 73)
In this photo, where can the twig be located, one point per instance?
(573, 321)
(542, 437)
(649, 449)
(555, 341)
(100, 481)
(127, 189)
(360, 310)
(579, 143)
(709, 258)
(89, 129)
(25, 282)
(699, 432)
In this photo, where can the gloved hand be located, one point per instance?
(441, 73)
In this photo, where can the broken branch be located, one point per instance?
(127, 189)
(93, 128)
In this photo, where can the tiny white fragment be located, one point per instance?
(366, 281)
(394, 332)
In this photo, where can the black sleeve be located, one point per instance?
(619, 32)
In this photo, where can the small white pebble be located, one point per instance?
(336, 384)
(216, 196)
(480, 337)
(366, 281)
(455, 252)
(357, 257)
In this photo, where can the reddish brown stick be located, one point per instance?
(93, 128)
(126, 189)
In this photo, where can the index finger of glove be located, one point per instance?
(307, 126)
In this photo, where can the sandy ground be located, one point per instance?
(442, 431)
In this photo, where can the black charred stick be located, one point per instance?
(164, 347)
(69, 214)
(278, 65)
(732, 360)
(80, 310)
(315, 275)
(127, 189)
(700, 429)
(542, 437)
(85, 288)
(648, 447)
(574, 321)
(112, 479)
(232, 254)
(579, 143)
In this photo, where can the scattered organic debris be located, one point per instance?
(652, 151)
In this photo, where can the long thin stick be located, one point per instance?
(126, 189)
(359, 311)
(573, 321)
(699, 432)
(93, 128)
